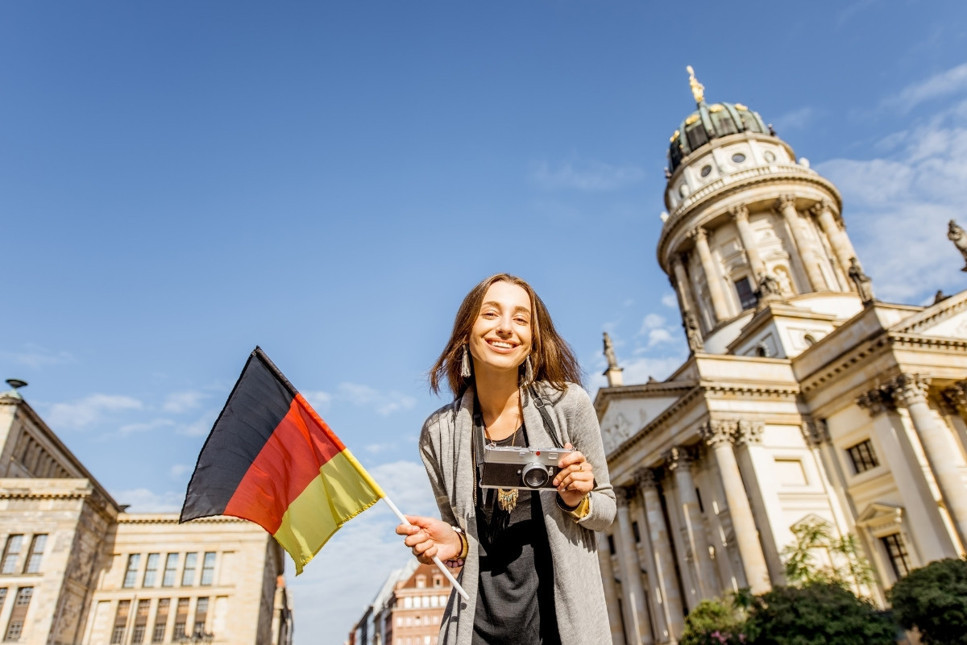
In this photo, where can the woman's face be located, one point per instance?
(500, 339)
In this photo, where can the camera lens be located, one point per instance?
(534, 475)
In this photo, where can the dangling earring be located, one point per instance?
(528, 371)
(465, 362)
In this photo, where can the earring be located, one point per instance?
(465, 362)
(528, 370)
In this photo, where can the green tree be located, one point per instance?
(817, 613)
(934, 600)
(717, 621)
(843, 564)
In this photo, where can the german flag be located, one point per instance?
(272, 460)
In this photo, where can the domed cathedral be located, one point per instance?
(805, 401)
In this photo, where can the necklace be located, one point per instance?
(506, 497)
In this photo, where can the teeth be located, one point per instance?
(497, 343)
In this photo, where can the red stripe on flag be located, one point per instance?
(290, 459)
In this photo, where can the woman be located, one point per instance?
(529, 557)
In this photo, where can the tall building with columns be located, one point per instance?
(804, 398)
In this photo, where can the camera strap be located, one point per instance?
(546, 417)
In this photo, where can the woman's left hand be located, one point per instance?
(575, 477)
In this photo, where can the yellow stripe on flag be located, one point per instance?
(342, 491)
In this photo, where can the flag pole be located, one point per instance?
(436, 560)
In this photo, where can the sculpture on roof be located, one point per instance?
(958, 236)
(609, 352)
(698, 90)
(863, 282)
(692, 333)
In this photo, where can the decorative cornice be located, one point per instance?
(717, 432)
(748, 432)
(902, 390)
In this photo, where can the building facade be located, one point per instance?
(804, 398)
(76, 568)
(407, 610)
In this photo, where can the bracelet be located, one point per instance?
(578, 512)
(458, 561)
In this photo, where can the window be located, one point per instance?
(15, 625)
(140, 621)
(35, 554)
(120, 622)
(862, 456)
(3, 596)
(743, 288)
(201, 615)
(188, 575)
(151, 570)
(160, 621)
(208, 569)
(171, 567)
(181, 619)
(706, 170)
(131, 573)
(11, 553)
(896, 551)
(738, 157)
(636, 532)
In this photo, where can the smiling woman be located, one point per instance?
(526, 543)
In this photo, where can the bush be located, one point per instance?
(817, 614)
(715, 622)
(934, 600)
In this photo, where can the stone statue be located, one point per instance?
(609, 352)
(958, 236)
(769, 287)
(863, 282)
(692, 333)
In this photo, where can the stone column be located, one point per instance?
(740, 214)
(941, 449)
(695, 535)
(633, 596)
(956, 398)
(838, 240)
(682, 286)
(712, 275)
(718, 436)
(762, 494)
(610, 590)
(786, 205)
(930, 537)
(662, 578)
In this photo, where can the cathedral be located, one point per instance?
(804, 398)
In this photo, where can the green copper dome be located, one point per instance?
(710, 122)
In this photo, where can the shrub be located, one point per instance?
(934, 600)
(715, 622)
(816, 614)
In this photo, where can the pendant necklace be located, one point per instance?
(506, 497)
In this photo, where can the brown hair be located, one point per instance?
(551, 357)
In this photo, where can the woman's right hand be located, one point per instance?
(429, 537)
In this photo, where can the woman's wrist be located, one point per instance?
(578, 511)
(463, 551)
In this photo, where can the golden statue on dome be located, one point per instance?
(698, 90)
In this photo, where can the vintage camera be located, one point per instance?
(519, 467)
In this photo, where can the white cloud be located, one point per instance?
(898, 207)
(318, 399)
(638, 370)
(658, 336)
(946, 83)
(142, 500)
(178, 471)
(89, 410)
(180, 402)
(795, 120)
(36, 357)
(651, 321)
(595, 176)
(385, 403)
(147, 426)
(200, 426)
(670, 300)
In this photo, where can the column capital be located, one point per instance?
(909, 389)
(740, 212)
(824, 205)
(621, 498)
(784, 202)
(646, 478)
(716, 432)
(816, 433)
(956, 395)
(748, 432)
(876, 401)
(678, 457)
(697, 234)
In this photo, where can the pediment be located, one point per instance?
(878, 514)
(944, 319)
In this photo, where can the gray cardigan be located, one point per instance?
(445, 446)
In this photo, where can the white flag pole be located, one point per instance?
(436, 560)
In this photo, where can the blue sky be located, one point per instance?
(180, 181)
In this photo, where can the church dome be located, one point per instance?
(710, 122)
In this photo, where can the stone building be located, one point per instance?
(407, 610)
(804, 398)
(77, 569)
